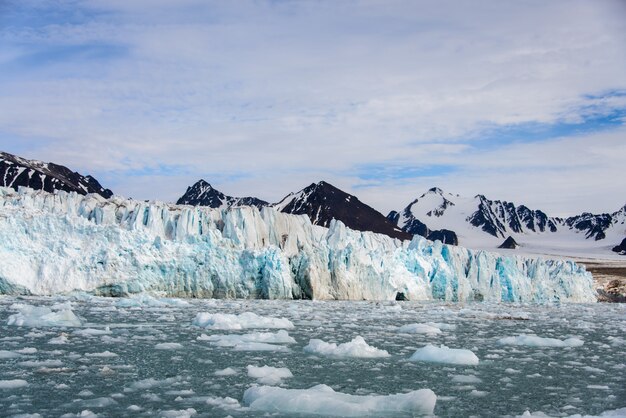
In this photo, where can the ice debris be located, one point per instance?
(323, 400)
(443, 354)
(267, 375)
(356, 348)
(43, 316)
(418, 329)
(535, 341)
(242, 321)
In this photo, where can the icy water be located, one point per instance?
(131, 369)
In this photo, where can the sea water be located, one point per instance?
(146, 356)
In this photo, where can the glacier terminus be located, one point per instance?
(53, 243)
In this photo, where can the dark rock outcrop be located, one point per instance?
(445, 236)
(203, 194)
(621, 249)
(509, 243)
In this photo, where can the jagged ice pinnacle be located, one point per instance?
(57, 243)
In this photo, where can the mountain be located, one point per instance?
(203, 194)
(414, 226)
(481, 223)
(323, 202)
(16, 171)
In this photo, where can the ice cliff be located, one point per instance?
(56, 243)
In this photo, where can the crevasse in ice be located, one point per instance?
(56, 243)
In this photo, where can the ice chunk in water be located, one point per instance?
(418, 329)
(13, 384)
(323, 400)
(443, 354)
(355, 348)
(535, 341)
(242, 321)
(42, 316)
(267, 375)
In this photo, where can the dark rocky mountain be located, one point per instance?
(621, 249)
(16, 171)
(414, 226)
(497, 218)
(594, 226)
(509, 243)
(203, 194)
(322, 202)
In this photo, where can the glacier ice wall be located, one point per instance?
(56, 243)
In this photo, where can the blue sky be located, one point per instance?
(523, 101)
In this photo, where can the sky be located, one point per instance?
(522, 101)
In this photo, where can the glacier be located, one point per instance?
(52, 243)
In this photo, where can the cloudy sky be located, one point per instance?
(518, 100)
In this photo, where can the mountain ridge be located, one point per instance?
(202, 193)
(17, 171)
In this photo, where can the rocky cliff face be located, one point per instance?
(38, 175)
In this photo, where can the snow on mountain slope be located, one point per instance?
(485, 224)
(16, 171)
(55, 243)
(203, 194)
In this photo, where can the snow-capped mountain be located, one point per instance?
(16, 171)
(322, 202)
(203, 194)
(483, 223)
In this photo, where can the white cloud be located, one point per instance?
(288, 93)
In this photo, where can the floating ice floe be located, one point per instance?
(418, 329)
(104, 354)
(92, 332)
(535, 341)
(180, 413)
(465, 379)
(232, 340)
(13, 384)
(252, 346)
(241, 321)
(267, 375)
(229, 371)
(6, 354)
(355, 348)
(443, 354)
(323, 400)
(168, 346)
(150, 383)
(43, 316)
(621, 413)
